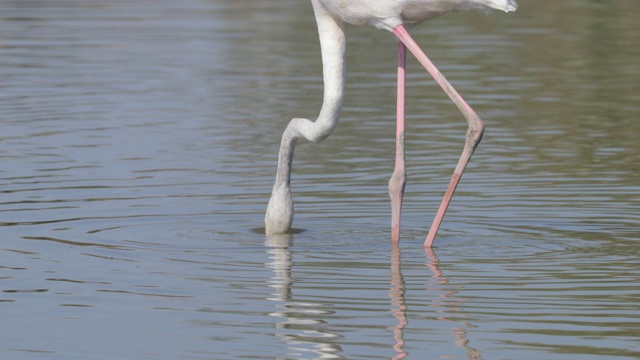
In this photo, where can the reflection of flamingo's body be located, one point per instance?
(332, 16)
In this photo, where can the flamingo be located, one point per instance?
(332, 17)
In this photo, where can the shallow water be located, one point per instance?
(138, 143)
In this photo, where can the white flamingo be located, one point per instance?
(332, 17)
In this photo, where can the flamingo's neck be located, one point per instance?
(332, 36)
(333, 43)
(331, 31)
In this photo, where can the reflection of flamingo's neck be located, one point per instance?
(290, 311)
(280, 256)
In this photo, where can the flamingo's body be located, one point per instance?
(332, 17)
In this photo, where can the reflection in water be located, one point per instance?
(397, 295)
(460, 332)
(303, 331)
(303, 324)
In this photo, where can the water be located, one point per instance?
(138, 144)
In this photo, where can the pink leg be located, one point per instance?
(398, 179)
(474, 134)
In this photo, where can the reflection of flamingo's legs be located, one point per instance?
(396, 293)
(460, 333)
